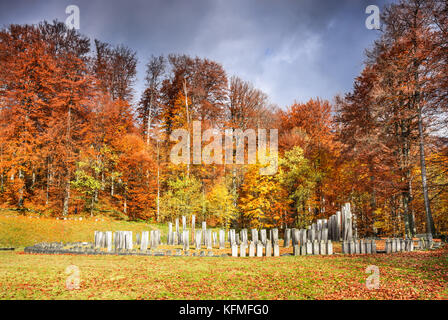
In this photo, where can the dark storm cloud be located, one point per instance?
(291, 49)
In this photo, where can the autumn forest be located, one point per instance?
(76, 139)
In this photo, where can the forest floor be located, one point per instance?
(414, 275)
(411, 275)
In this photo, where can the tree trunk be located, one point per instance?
(158, 182)
(112, 186)
(430, 228)
(91, 207)
(66, 197)
(2, 173)
(67, 186)
(188, 120)
(21, 177)
(148, 121)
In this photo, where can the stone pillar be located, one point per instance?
(394, 245)
(251, 249)
(144, 241)
(294, 237)
(176, 242)
(222, 242)
(309, 247)
(357, 247)
(128, 237)
(398, 245)
(362, 247)
(312, 233)
(95, 240)
(338, 226)
(349, 222)
(184, 223)
(232, 238)
(324, 234)
(329, 247)
(115, 240)
(193, 227)
(259, 249)
(373, 245)
(104, 239)
(316, 247)
(152, 242)
(215, 239)
(344, 247)
(185, 239)
(274, 238)
(296, 250)
(234, 250)
(263, 237)
(244, 238)
(303, 236)
(276, 250)
(323, 247)
(243, 248)
(388, 246)
(254, 236)
(198, 239)
(122, 240)
(287, 238)
(108, 239)
(368, 247)
(204, 228)
(303, 248)
(352, 247)
(209, 239)
(319, 229)
(268, 249)
(169, 237)
(99, 237)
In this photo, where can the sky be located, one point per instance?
(293, 50)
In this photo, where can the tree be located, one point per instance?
(183, 198)
(150, 102)
(220, 204)
(299, 179)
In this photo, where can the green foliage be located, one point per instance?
(87, 182)
(298, 177)
(220, 204)
(184, 197)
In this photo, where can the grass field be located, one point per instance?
(415, 275)
(418, 275)
(21, 231)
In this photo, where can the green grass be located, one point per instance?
(416, 275)
(402, 276)
(20, 231)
